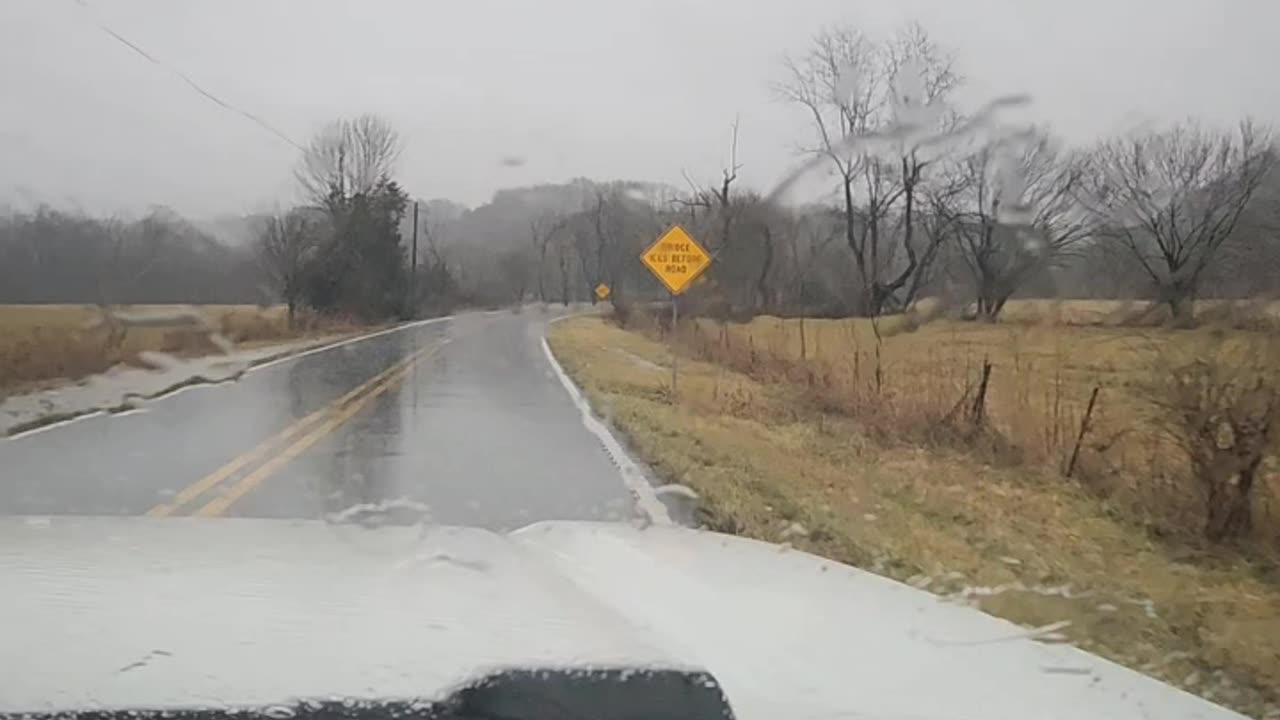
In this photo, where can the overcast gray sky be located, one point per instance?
(592, 88)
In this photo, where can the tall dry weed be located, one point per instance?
(903, 382)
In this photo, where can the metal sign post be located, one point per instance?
(676, 259)
(675, 323)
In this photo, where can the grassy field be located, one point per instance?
(42, 344)
(1043, 375)
(771, 441)
(1262, 313)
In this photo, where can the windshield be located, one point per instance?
(689, 338)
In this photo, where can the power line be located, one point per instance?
(190, 83)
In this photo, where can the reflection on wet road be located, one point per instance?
(464, 416)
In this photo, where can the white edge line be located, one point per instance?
(55, 425)
(205, 386)
(348, 341)
(632, 476)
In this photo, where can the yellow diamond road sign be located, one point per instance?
(602, 291)
(676, 259)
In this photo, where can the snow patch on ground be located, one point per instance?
(123, 388)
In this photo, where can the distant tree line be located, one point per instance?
(919, 199)
(915, 198)
(344, 250)
(56, 256)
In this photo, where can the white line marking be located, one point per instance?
(55, 425)
(229, 381)
(348, 341)
(632, 476)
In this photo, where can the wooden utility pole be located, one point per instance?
(413, 265)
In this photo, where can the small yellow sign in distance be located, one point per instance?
(676, 259)
(602, 291)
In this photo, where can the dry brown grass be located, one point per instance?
(42, 344)
(1239, 314)
(1043, 374)
(765, 450)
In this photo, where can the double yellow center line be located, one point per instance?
(217, 494)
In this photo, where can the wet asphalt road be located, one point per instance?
(464, 416)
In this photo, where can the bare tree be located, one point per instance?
(615, 222)
(429, 236)
(1220, 404)
(596, 238)
(136, 250)
(1012, 209)
(852, 86)
(741, 230)
(818, 234)
(515, 268)
(764, 299)
(1173, 199)
(542, 229)
(750, 272)
(286, 244)
(717, 202)
(564, 255)
(348, 157)
(346, 171)
(56, 256)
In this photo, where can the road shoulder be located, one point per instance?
(123, 388)
(768, 465)
(634, 475)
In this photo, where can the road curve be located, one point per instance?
(463, 416)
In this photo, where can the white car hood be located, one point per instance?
(158, 613)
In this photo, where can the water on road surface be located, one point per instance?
(464, 416)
